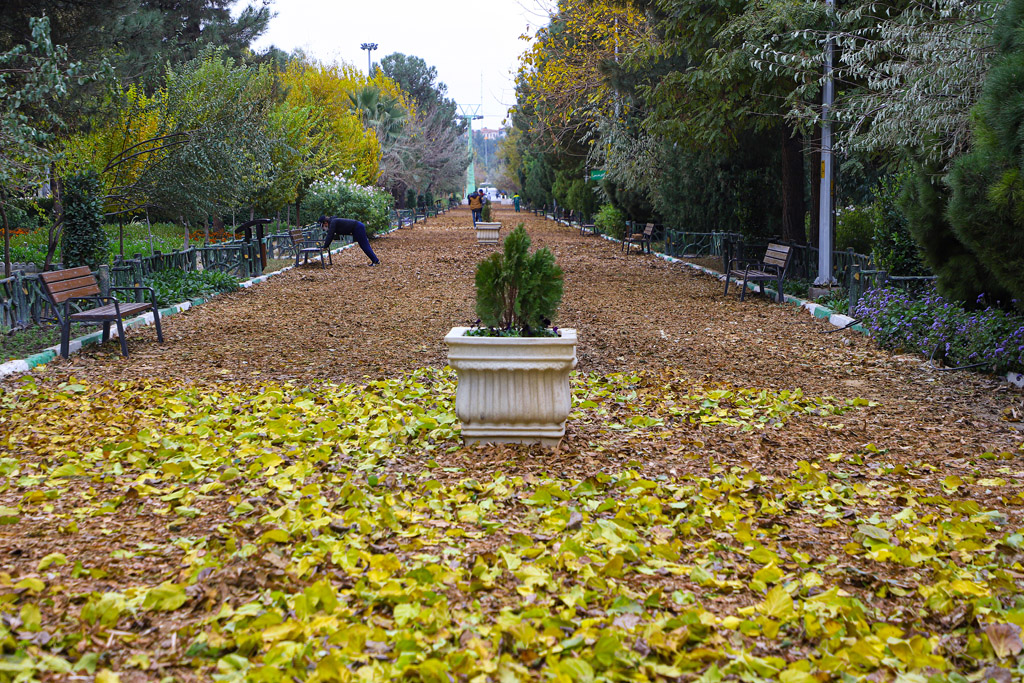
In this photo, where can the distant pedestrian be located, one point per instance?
(336, 227)
(515, 201)
(476, 204)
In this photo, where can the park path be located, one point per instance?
(354, 323)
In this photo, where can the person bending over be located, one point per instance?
(336, 227)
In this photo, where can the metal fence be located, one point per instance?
(22, 302)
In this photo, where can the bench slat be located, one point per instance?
(66, 274)
(61, 297)
(77, 283)
(108, 313)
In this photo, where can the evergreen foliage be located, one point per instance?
(611, 221)
(517, 290)
(962, 277)
(84, 242)
(986, 200)
(894, 248)
(854, 229)
(485, 212)
(346, 199)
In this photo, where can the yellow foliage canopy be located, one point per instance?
(130, 135)
(340, 140)
(560, 78)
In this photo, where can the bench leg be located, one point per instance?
(727, 278)
(322, 261)
(782, 295)
(298, 255)
(156, 321)
(65, 338)
(120, 338)
(106, 332)
(743, 289)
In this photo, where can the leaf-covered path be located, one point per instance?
(278, 492)
(353, 323)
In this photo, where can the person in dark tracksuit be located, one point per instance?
(336, 227)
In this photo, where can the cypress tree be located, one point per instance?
(986, 202)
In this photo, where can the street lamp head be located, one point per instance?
(368, 46)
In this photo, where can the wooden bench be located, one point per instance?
(772, 268)
(642, 239)
(305, 246)
(76, 285)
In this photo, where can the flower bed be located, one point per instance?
(990, 339)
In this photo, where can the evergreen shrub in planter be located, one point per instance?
(513, 369)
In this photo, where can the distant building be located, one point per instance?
(491, 133)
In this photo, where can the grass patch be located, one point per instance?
(24, 343)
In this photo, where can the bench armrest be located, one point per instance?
(746, 261)
(152, 292)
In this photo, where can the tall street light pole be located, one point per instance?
(826, 210)
(470, 113)
(369, 47)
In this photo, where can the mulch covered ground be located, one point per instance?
(354, 323)
(152, 496)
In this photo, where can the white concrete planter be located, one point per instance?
(487, 233)
(512, 389)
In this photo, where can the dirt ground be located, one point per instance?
(351, 323)
(355, 323)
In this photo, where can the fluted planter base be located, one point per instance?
(487, 233)
(512, 389)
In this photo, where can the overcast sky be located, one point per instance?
(463, 40)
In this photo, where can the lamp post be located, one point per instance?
(826, 209)
(470, 113)
(369, 47)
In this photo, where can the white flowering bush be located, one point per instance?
(339, 196)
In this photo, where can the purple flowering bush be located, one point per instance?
(944, 330)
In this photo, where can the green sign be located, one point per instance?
(596, 173)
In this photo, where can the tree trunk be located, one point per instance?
(7, 237)
(298, 214)
(793, 187)
(815, 156)
(54, 232)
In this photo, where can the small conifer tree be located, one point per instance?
(517, 290)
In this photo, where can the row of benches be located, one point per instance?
(772, 267)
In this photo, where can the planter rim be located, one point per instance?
(566, 335)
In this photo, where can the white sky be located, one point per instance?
(463, 40)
